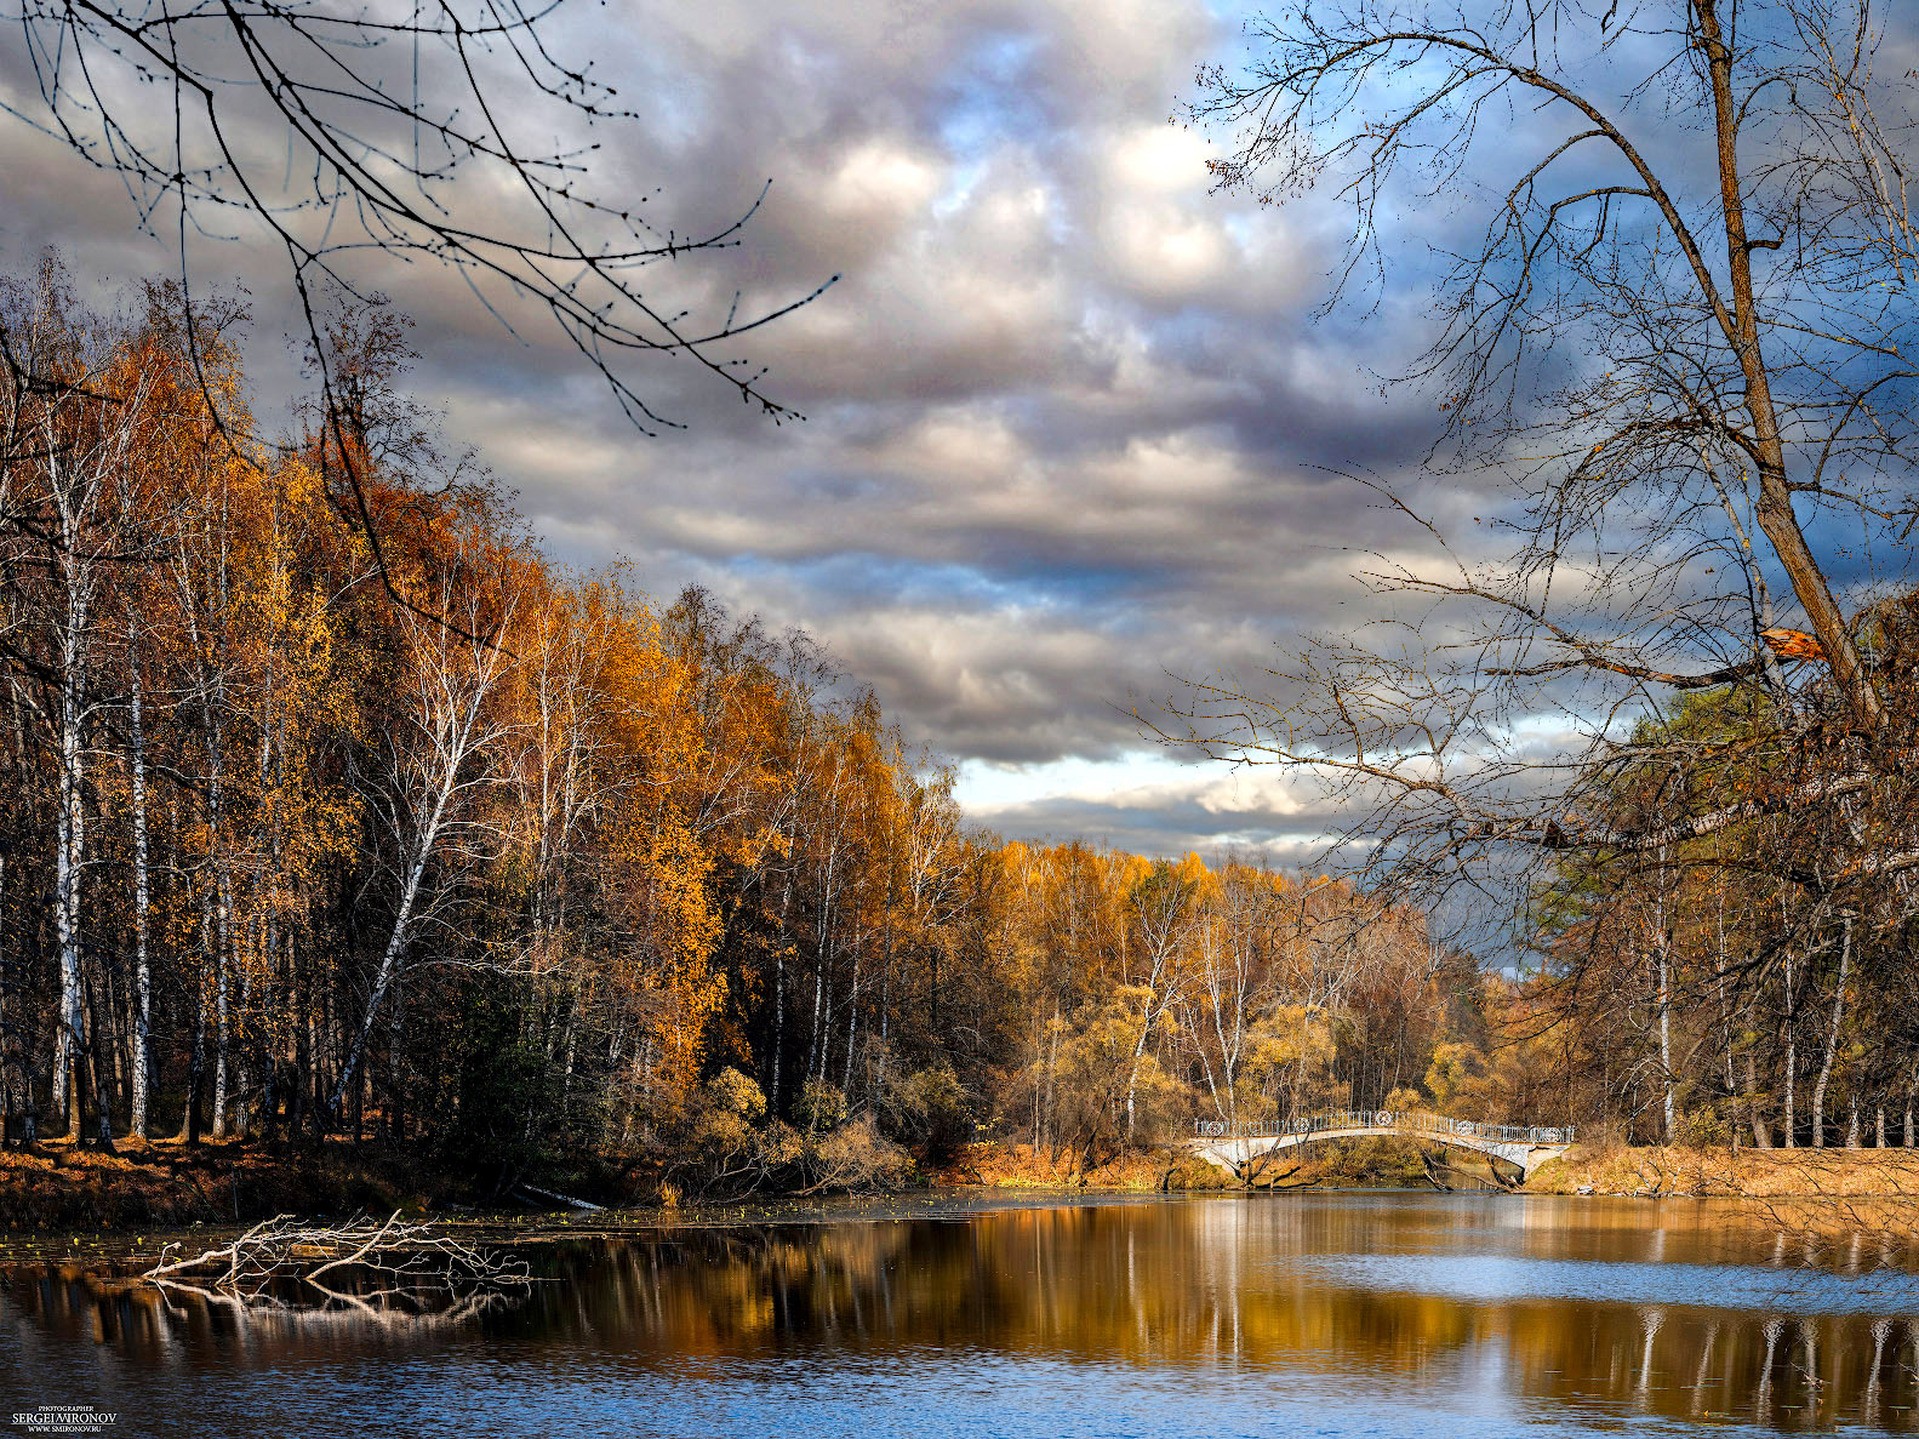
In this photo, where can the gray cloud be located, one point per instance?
(1069, 415)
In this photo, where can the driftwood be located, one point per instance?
(391, 1270)
(1258, 1172)
(1434, 1170)
(558, 1198)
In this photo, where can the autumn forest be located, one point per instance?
(338, 812)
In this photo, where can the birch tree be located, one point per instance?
(78, 418)
(436, 769)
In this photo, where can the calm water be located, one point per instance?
(1425, 1316)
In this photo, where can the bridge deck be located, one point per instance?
(1233, 1146)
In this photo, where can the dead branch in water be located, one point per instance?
(386, 1270)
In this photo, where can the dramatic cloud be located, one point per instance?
(1071, 420)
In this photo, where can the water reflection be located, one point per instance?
(1342, 1314)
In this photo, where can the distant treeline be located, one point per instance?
(332, 807)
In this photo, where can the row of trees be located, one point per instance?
(1764, 961)
(319, 827)
(1146, 992)
(1667, 250)
(306, 813)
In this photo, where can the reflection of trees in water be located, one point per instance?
(1208, 1286)
(151, 1325)
(1228, 1291)
(280, 1284)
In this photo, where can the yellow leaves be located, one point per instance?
(1454, 1069)
(1291, 1036)
(1192, 870)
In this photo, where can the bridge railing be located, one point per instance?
(1402, 1121)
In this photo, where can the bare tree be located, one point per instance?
(455, 133)
(390, 1270)
(1672, 320)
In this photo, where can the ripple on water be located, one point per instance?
(1494, 1279)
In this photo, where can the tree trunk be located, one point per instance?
(217, 920)
(1773, 508)
(1761, 1131)
(1792, 1058)
(396, 944)
(1667, 1083)
(1132, 1075)
(1832, 1040)
(852, 1014)
(69, 863)
(101, 1075)
(779, 998)
(196, 1066)
(6, 1048)
(142, 973)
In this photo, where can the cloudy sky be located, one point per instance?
(1069, 415)
(1064, 407)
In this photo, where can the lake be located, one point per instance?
(1320, 1314)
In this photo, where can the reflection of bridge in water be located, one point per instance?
(1233, 1147)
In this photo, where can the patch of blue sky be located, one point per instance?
(863, 576)
(992, 97)
(961, 181)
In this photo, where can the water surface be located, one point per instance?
(1401, 1315)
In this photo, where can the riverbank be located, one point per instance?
(1335, 1164)
(1634, 1173)
(169, 1185)
(164, 1184)
(1657, 1173)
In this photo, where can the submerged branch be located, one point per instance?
(392, 1268)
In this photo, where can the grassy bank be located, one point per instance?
(164, 1185)
(1407, 1164)
(53, 1186)
(1729, 1173)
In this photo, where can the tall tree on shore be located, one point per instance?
(1702, 206)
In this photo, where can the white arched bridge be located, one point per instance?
(1236, 1146)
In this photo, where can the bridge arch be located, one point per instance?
(1233, 1147)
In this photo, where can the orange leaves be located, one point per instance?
(1793, 644)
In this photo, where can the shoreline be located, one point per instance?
(52, 1187)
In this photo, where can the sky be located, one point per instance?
(1065, 407)
(1073, 422)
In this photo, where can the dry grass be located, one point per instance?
(1763, 1174)
(1726, 1173)
(1018, 1166)
(158, 1184)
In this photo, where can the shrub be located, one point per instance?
(821, 1107)
(856, 1156)
(1702, 1128)
(930, 1111)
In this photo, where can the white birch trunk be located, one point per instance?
(142, 974)
(1832, 1041)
